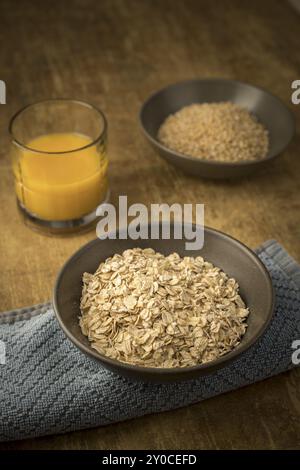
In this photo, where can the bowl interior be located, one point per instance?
(223, 251)
(268, 109)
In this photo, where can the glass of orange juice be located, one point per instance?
(59, 163)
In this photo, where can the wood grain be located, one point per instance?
(114, 53)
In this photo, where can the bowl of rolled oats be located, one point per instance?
(152, 311)
(217, 128)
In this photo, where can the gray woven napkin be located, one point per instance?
(48, 386)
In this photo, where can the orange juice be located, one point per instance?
(55, 186)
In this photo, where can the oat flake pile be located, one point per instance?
(152, 310)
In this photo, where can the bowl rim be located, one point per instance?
(158, 371)
(215, 163)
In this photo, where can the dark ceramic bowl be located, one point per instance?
(268, 109)
(222, 250)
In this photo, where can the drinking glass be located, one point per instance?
(59, 163)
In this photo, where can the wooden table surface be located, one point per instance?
(114, 54)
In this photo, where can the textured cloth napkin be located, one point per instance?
(48, 386)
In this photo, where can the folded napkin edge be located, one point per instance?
(283, 260)
(24, 313)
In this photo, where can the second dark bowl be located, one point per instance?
(268, 109)
(220, 249)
